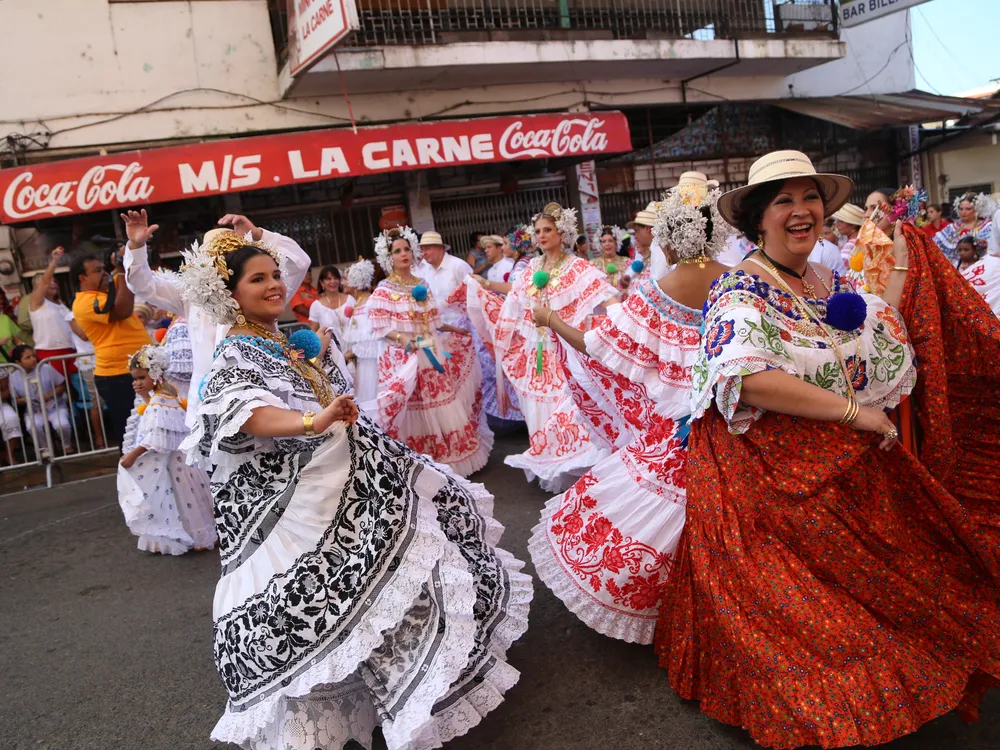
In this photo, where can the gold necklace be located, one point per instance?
(308, 369)
(397, 279)
(701, 260)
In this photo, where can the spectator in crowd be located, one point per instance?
(830, 232)
(302, 301)
(583, 247)
(42, 386)
(48, 318)
(477, 256)
(22, 314)
(10, 424)
(85, 373)
(10, 332)
(935, 220)
(443, 274)
(849, 220)
(103, 311)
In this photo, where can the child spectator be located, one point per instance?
(43, 385)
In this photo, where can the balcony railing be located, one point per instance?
(418, 22)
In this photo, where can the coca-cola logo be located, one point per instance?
(100, 186)
(575, 136)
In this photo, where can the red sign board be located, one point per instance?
(75, 186)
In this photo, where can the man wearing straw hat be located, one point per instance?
(444, 273)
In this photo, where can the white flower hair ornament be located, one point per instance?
(986, 205)
(682, 224)
(204, 273)
(361, 275)
(383, 246)
(151, 358)
(565, 221)
(617, 232)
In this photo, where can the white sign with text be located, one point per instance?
(856, 12)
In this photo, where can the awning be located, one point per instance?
(136, 178)
(891, 110)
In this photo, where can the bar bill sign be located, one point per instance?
(171, 173)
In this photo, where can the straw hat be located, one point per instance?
(850, 214)
(646, 218)
(779, 166)
(697, 178)
(431, 238)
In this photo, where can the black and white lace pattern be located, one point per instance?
(348, 559)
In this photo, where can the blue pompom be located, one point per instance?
(846, 311)
(637, 266)
(306, 342)
(419, 292)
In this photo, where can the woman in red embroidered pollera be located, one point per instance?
(830, 588)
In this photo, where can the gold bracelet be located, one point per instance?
(900, 268)
(852, 412)
(548, 318)
(307, 423)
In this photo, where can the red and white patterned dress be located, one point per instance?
(436, 413)
(561, 448)
(984, 275)
(605, 546)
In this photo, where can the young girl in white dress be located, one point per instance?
(361, 346)
(166, 503)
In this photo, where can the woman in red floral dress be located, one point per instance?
(534, 361)
(429, 379)
(830, 589)
(605, 546)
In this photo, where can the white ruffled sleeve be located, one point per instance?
(739, 340)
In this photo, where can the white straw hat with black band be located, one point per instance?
(779, 166)
(850, 214)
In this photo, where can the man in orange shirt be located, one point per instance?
(303, 299)
(113, 330)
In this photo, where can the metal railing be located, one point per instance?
(16, 452)
(392, 22)
(65, 426)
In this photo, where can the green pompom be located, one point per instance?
(540, 279)
(612, 269)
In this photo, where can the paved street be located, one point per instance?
(106, 648)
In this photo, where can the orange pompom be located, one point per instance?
(184, 403)
(159, 334)
(141, 408)
(858, 261)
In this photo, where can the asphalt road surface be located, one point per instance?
(106, 648)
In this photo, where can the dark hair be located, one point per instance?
(76, 268)
(474, 237)
(751, 209)
(236, 260)
(608, 230)
(18, 351)
(886, 191)
(706, 211)
(968, 198)
(581, 240)
(967, 240)
(329, 271)
(935, 206)
(626, 246)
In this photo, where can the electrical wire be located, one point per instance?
(943, 45)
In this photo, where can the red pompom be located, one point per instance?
(348, 311)
(506, 277)
(159, 334)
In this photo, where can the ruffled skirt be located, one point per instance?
(606, 545)
(167, 504)
(370, 593)
(439, 414)
(825, 592)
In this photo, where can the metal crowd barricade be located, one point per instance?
(78, 402)
(9, 413)
(289, 328)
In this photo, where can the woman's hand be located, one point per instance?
(480, 280)
(342, 409)
(900, 251)
(875, 420)
(350, 357)
(542, 316)
(242, 226)
(137, 228)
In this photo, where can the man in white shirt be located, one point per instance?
(444, 274)
(163, 292)
(827, 254)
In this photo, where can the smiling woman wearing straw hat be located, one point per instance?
(828, 590)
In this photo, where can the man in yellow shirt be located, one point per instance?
(113, 330)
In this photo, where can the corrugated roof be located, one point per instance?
(892, 110)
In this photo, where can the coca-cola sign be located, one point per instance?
(171, 173)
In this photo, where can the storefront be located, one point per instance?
(332, 190)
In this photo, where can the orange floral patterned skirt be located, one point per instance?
(826, 593)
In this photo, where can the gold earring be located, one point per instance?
(241, 319)
(760, 241)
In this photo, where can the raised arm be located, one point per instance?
(138, 275)
(38, 294)
(297, 261)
